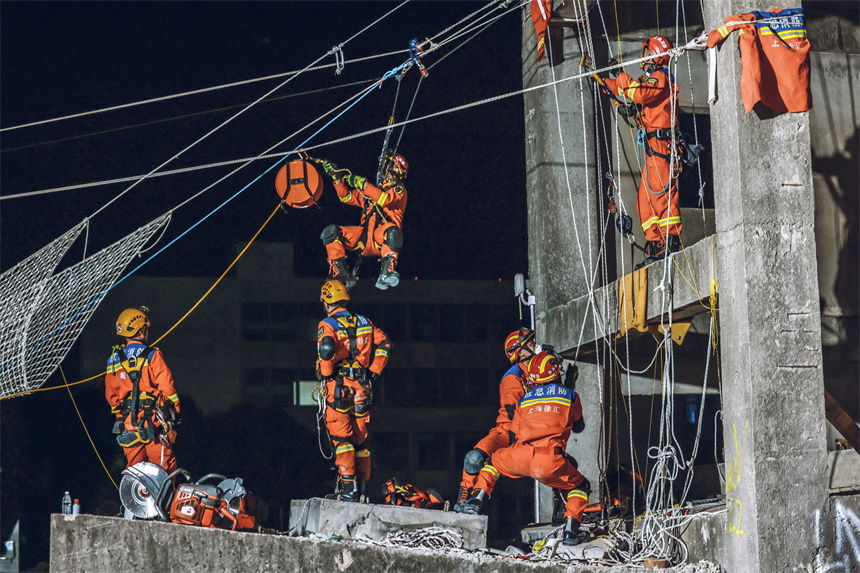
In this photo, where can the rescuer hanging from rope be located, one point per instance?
(656, 93)
(380, 232)
(352, 354)
(139, 388)
(543, 420)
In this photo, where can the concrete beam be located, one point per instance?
(327, 517)
(576, 324)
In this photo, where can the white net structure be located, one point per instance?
(42, 314)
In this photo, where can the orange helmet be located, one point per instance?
(516, 340)
(543, 368)
(131, 320)
(333, 291)
(398, 165)
(659, 46)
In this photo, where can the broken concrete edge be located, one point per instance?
(107, 544)
(691, 280)
(328, 518)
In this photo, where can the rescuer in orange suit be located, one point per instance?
(543, 420)
(144, 425)
(380, 233)
(657, 94)
(352, 354)
(519, 348)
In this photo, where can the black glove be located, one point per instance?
(571, 375)
(614, 71)
(374, 378)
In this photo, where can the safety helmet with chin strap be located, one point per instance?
(659, 47)
(543, 368)
(333, 291)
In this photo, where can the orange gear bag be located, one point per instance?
(299, 184)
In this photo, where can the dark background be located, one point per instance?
(465, 218)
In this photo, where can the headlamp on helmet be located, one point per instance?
(517, 340)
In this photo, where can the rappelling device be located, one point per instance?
(415, 53)
(298, 183)
(148, 492)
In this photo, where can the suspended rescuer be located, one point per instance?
(655, 93)
(380, 233)
(352, 354)
(139, 388)
(543, 420)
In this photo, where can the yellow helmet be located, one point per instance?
(131, 320)
(333, 291)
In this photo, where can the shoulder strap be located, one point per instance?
(349, 323)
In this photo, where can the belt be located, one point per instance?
(549, 450)
(664, 134)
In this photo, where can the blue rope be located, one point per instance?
(387, 75)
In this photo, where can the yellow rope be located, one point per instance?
(78, 412)
(66, 385)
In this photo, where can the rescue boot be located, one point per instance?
(337, 271)
(558, 504)
(388, 277)
(573, 535)
(463, 494)
(347, 489)
(472, 506)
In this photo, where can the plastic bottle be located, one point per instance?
(76, 507)
(67, 503)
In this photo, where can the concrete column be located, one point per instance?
(562, 209)
(770, 329)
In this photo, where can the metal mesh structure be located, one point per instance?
(42, 314)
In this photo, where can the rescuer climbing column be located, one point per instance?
(562, 208)
(770, 329)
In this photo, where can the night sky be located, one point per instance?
(466, 217)
(466, 212)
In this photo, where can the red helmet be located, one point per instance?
(516, 340)
(397, 165)
(659, 46)
(543, 368)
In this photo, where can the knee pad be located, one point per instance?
(330, 234)
(474, 461)
(394, 238)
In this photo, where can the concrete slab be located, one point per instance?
(327, 517)
(843, 467)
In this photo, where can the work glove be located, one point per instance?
(331, 169)
(613, 73)
(374, 378)
(356, 181)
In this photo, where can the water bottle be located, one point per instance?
(76, 507)
(67, 503)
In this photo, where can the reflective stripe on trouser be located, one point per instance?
(543, 464)
(495, 440)
(654, 209)
(346, 432)
(352, 238)
(151, 452)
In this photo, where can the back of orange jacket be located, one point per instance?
(545, 416)
(155, 377)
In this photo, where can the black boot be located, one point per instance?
(463, 494)
(472, 506)
(558, 504)
(572, 534)
(347, 489)
(337, 271)
(388, 277)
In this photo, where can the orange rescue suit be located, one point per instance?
(542, 422)
(512, 387)
(541, 13)
(775, 58)
(156, 380)
(381, 210)
(657, 199)
(346, 380)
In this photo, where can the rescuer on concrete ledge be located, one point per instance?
(543, 420)
(139, 388)
(352, 354)
(655, 95)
